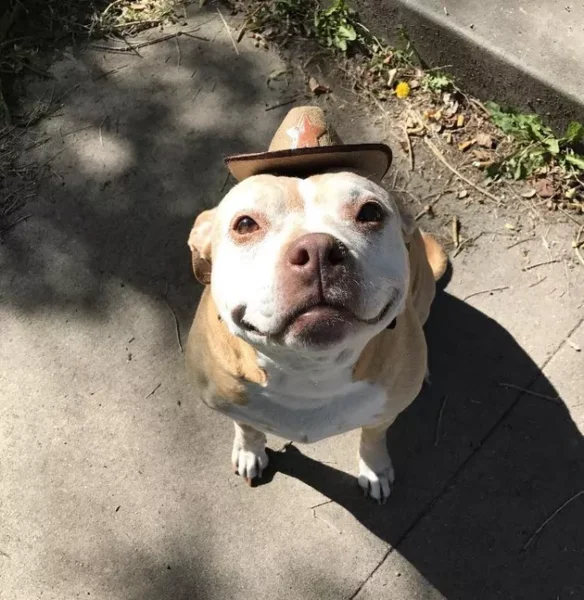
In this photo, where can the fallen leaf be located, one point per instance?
(276, 74)
(528, 194)
(317, 88)
(481, 155)
(464, 146)
(391, 77)
(462, 194)
(414, 84)
(544, 188)
(485, 140)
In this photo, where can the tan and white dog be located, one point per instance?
(310, 324)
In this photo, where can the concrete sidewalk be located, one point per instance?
(116, 481)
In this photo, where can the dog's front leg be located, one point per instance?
(249, 456)
(375, 468)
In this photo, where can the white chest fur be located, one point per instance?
(306, 409)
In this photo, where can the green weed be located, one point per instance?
(536, 146)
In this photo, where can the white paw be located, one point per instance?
(249, 463)
(376, 483)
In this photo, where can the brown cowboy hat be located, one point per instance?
(306, 144)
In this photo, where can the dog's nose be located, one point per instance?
(314, 251)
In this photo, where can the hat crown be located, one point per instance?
(304, 127)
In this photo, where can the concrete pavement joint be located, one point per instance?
(454, 477)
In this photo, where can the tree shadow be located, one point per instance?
(469, 497)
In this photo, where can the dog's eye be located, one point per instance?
(370, 212)
(245, 225)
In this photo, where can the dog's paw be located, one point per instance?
(249, 463)
(376, 483)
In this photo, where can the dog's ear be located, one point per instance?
(200, 245)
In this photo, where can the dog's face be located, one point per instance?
(304, 264)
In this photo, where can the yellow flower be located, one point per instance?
(402, 89)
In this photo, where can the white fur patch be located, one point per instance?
(305, 409)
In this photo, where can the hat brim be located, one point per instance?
(373, 160)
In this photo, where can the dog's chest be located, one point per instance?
(307, 411)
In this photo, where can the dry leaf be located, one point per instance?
(462, 194)
(391, 77)
(317, 88)
(544, 188)
(414, 84)
(481, 155)
(464, 146)
(528, 194)
(485, 140)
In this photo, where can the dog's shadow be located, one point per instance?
(479, 468)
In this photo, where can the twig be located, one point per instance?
(43, 165)
(130, 47)
(326, 522)
(456, 231)
(409, 146)
(111, 72)
(241, 31)
(541, 264)
(320, 504)
(15, 222)
(428, 208)
(512, 386)
(285, 103)
(547, 521)
(228, 32)
(576, 245)
(404, 191)
(496, 289)
(152, 392)
(441, 157)
(178, 53)
(527, 239)
(225, 182)
(100, 133)
(439, 194)
(465, 242)
(439, 422)
(133, 48)
(570, 217)
(176, 325)
(537, 282)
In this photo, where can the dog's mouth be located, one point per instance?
(318, 322)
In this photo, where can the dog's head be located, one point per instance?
(304, 264)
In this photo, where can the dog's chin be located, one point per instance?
(319, 327)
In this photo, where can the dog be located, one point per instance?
(317, 286)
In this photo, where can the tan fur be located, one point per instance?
(396, 358)
(219, 362)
